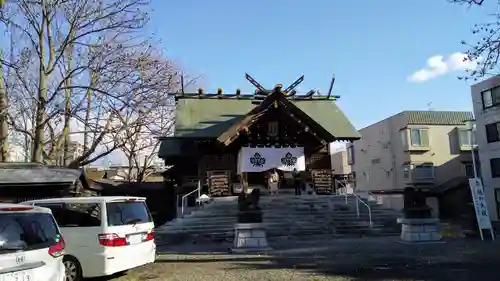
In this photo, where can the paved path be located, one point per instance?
(342, 259)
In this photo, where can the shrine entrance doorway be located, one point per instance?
(254, 164)
(257, 179)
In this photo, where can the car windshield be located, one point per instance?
(124, 213)
(27, 231)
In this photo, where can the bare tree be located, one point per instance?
(7, 85)
(468, 2)
(86, 70)
(142, 142)
(154, 119)
(485, 50)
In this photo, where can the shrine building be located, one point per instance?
(227, 142)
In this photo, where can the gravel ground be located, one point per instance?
(342, 259)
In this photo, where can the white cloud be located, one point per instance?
(437, 66)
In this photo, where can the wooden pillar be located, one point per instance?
(244, 182)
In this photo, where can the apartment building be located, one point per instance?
(17, 153)
(486, 104)
(18, 147)
(424, 149)
(342, 171)
(75, 149)
(340, 165)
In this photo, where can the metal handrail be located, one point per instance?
(183, 198)
(345, 189)
(358, 199)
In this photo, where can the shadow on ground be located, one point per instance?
(362, 259)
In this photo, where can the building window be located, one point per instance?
(376, 161)
(404, 137)
(419, 137)
(491, 97)
(495, 167)
(492, 132)
(464, 137)
(350, 155)
(406, 171)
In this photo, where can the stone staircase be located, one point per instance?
(212, 221)
(345, 219)
(284, 215)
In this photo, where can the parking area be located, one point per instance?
(342, 259)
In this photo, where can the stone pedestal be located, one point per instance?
(420, 230)
(250, 217)
(250, 237)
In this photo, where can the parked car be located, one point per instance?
(31, 245)
(104, 235)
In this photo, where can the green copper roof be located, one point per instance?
(211, 117)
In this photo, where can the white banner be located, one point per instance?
(482, 215)
(290, 159)
(259, 159)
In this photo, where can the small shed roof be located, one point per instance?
(36, 174)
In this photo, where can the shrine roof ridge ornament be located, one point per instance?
(260, 92)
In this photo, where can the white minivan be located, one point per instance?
(104, 235)
(31, 245)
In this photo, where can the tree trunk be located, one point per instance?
(39, 138)
(45, 67)
(87, 122)
(4, 133)
(67, 106)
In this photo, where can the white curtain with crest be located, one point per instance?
(259, 159)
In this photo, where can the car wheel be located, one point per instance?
(73, 269)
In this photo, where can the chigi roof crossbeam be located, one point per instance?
(260, 92)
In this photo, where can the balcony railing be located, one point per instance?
(419, 173)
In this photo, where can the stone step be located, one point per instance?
(291, 212)
(273, 215)
(279, 226)
(223, 220)
(289, 204)
(284, 215)
(229, 228)
(217, 220)
(229, 235)
(270, 231)
(374, 211)
(268, 225)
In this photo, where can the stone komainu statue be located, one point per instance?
(254, 198)
(415, 205)
(249, 202)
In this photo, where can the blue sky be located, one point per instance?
(371, 46)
